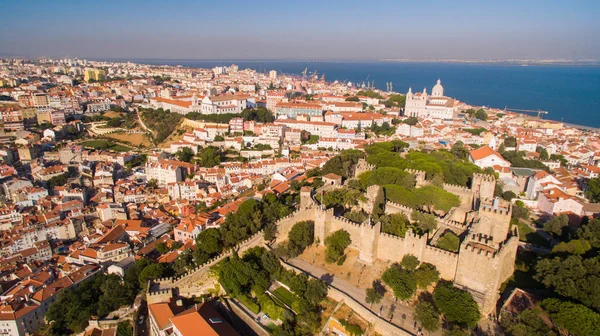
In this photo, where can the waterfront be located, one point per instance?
(569, 93)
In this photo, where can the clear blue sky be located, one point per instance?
(325, 29)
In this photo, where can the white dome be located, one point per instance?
(438, 89)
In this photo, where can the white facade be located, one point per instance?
(435, 106)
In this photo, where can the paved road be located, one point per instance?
(402, 314)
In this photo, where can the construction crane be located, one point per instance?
(304, 72)
(539, 112)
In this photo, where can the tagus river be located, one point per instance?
(569, 93)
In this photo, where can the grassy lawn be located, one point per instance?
(284, 295)
(527, 234)
(103, 144)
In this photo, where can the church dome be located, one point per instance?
(438, 89)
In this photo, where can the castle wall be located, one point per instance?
(390, 248)
(393, 208)
(340, 223)
(465, 194)
(285, 225)
(445, 261)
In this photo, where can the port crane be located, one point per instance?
(539, 112)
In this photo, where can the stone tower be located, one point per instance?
(306, 201)
(419, 177)
(482, 186)
(362, 166)
(371, 195)
(494, 219)
(483, 266)
(369, 240)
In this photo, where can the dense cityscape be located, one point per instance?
(166, 200)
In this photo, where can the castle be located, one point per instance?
(487, 253)
(436, 105)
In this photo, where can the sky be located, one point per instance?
(325, 29)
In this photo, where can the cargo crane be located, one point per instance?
(539, 112)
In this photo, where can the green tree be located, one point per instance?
(409, 262)
(593, 190)
(373, 296)
(481, 114)
(209, 157)
(316, 291)
(459, 151)
(527, 322)
(185, 154)
(402, 281)
(396, 224)
(508, 195)
(162, 248)
(426, 275)
(412, 121)
(300, 237)
(208, 245)
(428, 316)
(590, 232)
(510, 141)
(520, 211)
(575, 246)
(336, 244)
(124, 328)
(577, 319)
(556, 225)
(424, 222)
(434, 198)
(152, 271)
(456, 305)
(572, 277)
(449, 242)
(543, 152)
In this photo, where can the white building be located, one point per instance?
(435, 106)
(224, 104)
(486, 157)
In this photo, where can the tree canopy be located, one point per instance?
(449, 242)
(456, 305)
(336, 244)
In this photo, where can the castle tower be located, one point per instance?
(371, 194)
(306, 201)
(482, 186)
(419, 177)
(482, 268)
(438, 89)
(369, 239)
(494, 219)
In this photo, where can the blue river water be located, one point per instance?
(569, 93)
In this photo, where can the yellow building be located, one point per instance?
(94, 74)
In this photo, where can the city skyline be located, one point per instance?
(467, 30)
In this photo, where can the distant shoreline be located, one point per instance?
(383, 60)
(354, 71)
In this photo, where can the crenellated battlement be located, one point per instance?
(455, 188)
(391, 236)
(471, 248)
(496, 211)
(481, 238)
(346, 221)
(439, 251)
(157, 292)
(484, 177)
(416, 171)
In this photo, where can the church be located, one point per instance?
(436, 105)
